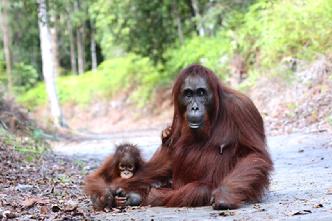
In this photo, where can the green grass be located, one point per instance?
(30, 147)
(113, 76)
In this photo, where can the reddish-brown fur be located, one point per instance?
(227, 161)
(99, 182)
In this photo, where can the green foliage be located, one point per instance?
(145, 27)
(29, 147)
(114, 75)
(263, 35)
(24, 77)
(25, 44)
(143, 47)
(34, 97)
(3, 77)
(287, 28)
(210, 51)
(130, 71)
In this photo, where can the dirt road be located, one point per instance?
(301, 187)
(50, 188)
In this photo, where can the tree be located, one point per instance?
(93, 47)
(54, 42)
(73, 61)
(25, 46)
(48, 63)
(6, 43)
(80, 42)
(178, 21)
(198, 18)
(145, 27)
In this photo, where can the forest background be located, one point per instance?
(100, 50)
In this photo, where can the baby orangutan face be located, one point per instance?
(127, 167)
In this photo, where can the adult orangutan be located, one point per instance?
(215, 152)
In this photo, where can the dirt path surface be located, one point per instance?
(301, 184)
(301, 187)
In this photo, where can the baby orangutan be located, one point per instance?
(129, 162)
(124, 164)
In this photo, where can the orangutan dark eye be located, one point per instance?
(130, 167)
(121, 166)
(201, 92)
(188, 93)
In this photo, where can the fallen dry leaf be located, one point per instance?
(30, 202)
(302, 212)
(70, 208)
(318, 206)
(44, 210)
(227, 213)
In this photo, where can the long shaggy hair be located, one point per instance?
(227, 160)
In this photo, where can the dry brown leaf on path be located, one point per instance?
(71, 206)
(227, 213)
(318, 205)
(27, 203)
(302, 212)
(30, 202)
(44, 210)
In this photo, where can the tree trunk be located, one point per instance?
(178, 22)
(73, 62)
(80, 50)
(6, 43)
(93, 50)
(198, 18)
(54, 45)
(80, 42)
(48, 64)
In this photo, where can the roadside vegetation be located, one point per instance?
(18, 132)
(265, 34)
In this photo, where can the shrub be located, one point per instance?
(210, 51)
(284, 28)
(112, 76)
(24, 77)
